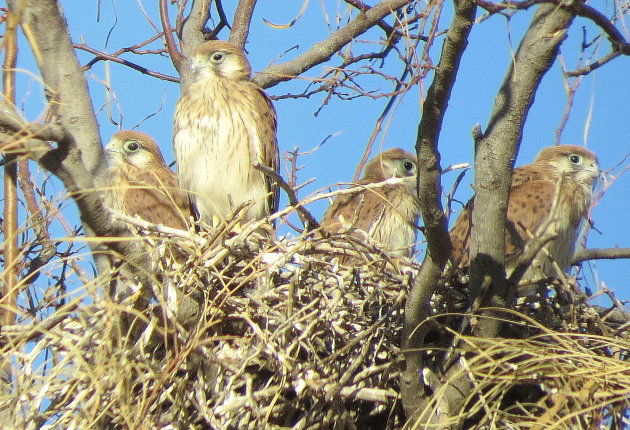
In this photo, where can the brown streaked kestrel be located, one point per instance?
(224, 122)
(567, 169)
(388, 214)
(140, 183)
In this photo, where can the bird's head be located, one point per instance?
(133, 148)
(393, 163)
(217, 58)
(572, 160)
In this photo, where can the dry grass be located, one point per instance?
(560, 380)
(287, 338)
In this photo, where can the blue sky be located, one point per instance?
(599, 118)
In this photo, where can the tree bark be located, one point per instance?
(430, 193)
(496, 150)
(78, 161)
(494, 158)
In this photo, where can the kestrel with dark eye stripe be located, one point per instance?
(141, 184)
(535, 210)
(224, 123)
(388, 214)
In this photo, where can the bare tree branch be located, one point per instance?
(78, 160)
(310, 223)
(577, 8)
(322, 51)
(39, 223)
(391, 31)
(64, 80)
(116, 59)
(10, 120)
(242, 20)
(430, 193)
(593, 66)
(495, 152)
(192, 36)
(615, 36)
(600, 254)
(494, 158)
(171, 46)
(620, 45)
(223, 21)
(10, 213)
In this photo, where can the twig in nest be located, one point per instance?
(159, 228)
(309, 221)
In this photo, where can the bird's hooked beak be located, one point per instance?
(594, 170)
(592, 173)
(197, 65)
(194, 65)
(112, 156)
(412, 182)
(600, 175)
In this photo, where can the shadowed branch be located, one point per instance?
(430, 193)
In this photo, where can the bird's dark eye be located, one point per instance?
(409, 166)
(575, 159)
(132, 145)
(217, 57)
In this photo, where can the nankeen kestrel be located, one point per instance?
(140, 183)
(388, 214)
(224, 122)
(534, 211)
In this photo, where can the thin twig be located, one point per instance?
(171, 46)
(593, 66)
(310, 223)
(116, 59)
(38, 221)
(619, 42)
(323, 50)
(158, 228)
(10, 224)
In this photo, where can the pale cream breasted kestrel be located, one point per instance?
(223, 123)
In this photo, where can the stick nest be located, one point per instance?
(246, 332)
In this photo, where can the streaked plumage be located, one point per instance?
(530, 204)
(140, 183)
(388, 214)
(223, 123)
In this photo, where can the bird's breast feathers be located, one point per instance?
(395, 225)
(216, 140)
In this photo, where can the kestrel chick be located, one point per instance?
(224, 122)
(567, 169)
(388, 214)
(140, 183)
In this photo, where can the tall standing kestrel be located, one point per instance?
(224, 122)
(140, 183)
(534, 211)
(388, 214)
